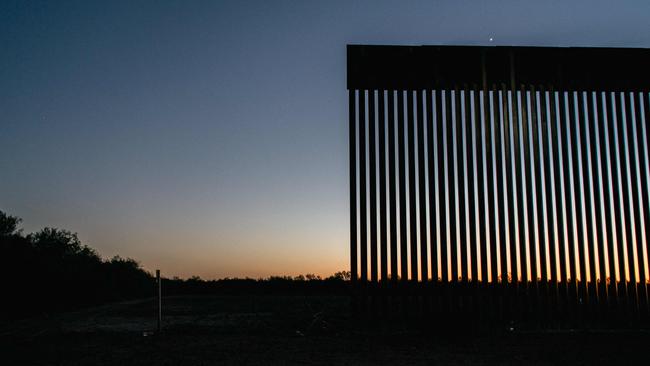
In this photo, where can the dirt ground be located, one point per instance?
(288, 330)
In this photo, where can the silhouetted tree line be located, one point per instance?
(51, 270)
(308, 284)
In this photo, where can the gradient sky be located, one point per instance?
(210, 137)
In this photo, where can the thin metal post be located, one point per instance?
(159, 300)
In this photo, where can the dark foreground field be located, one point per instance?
(238, 330)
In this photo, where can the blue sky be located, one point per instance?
(210, 137)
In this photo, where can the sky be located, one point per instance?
(210, 137)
